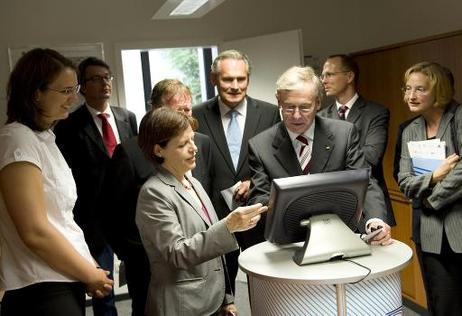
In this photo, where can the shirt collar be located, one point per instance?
(349, 104)
(309, 134)
(241, 108)
(95, 112)
(46, 135)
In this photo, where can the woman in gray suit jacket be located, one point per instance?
(428, 93)
(178, 225)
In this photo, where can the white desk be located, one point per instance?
(279, 287)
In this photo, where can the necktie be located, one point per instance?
(304, 155)
(233, 137)
(108, 134)
(342, 111)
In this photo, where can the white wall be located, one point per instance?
(328, 26)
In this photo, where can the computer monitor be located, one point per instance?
(323, 210)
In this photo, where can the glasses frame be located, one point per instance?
(417, 90)
(291, 109)
(100, 79)
(67, 91)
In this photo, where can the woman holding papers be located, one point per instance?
(428, 93)
(178, 225)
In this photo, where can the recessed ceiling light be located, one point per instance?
(185, 9)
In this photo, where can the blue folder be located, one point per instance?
(425, 165)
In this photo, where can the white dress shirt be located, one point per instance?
(110, 119)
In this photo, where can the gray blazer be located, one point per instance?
(371, 120)
(184, 250)
(335, 148)
(444, 197)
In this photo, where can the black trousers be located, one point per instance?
(45, 299)
(138, 275)
(232, 267)
(442, 275)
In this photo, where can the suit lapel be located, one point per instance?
(446, 121)
(197, 171)
(323, 146)
(252, 120)
(205, 200)
(123, 126)
(356, 110)
(213, 119)
(284, 152)
(170, 180)
(332, 112)
(90, 129)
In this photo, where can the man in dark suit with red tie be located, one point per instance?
(340, 76)
(306, 143)
(87, 139)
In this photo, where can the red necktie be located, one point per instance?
(108, 134)
(342, 111)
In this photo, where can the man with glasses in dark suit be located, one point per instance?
(87, 139)
(340, 76)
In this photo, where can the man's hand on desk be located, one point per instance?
(384, 237)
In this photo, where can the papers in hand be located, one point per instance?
(426, 155)
(228, 194)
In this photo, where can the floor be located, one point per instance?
(242, 300)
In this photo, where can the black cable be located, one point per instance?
(362, 266)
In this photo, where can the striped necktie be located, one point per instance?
(304, 154)
(342, 112)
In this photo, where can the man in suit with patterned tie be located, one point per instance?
(230, 120)
(87, 139)
(340, 77)
(306, 143)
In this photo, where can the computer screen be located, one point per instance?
(321, 209)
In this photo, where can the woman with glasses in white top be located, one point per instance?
(46, 266)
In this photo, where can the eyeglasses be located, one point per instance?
(328, 75)
(302, 109)
(100, 79)
(407, 90)
(67, 91)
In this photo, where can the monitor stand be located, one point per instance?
(329, 238)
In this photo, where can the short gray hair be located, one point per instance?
(230, 54)
(295, 77)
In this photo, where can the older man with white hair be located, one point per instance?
(304, 143)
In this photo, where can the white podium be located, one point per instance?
(280, 287)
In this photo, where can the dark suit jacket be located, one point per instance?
(82, 146)
(128, 170)
(184, 249)
(371, 120)
(335, 148)
(260, 116)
